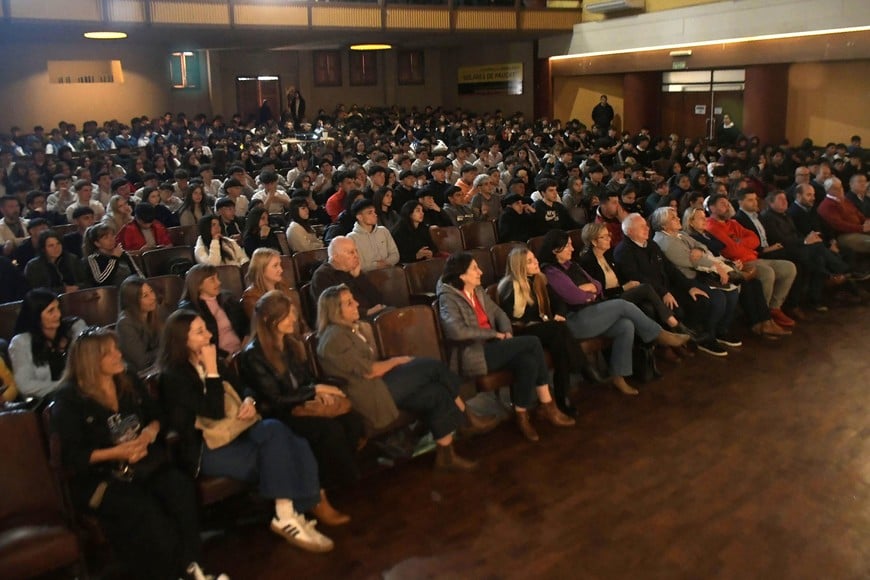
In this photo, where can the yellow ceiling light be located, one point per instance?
(371, 46)
(105, 35)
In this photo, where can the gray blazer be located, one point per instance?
(459, 324)
(345, 355)
(137, 343)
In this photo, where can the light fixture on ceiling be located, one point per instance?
(105, 35)
(371, 46)
(684, 52)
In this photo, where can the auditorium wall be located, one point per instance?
(574, 97)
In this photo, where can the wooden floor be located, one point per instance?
(752, 466)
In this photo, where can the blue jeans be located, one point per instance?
(618, 320)
(271, 454)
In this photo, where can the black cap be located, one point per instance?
(424, 192)
(119, 182)
(511, 198)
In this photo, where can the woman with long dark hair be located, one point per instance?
(221, 312)
(411, 235)
(213, 248)
(484, 342)
(53, 268)
(193, 387)
(387, 216)
(258, 233)
(42, 337)
(300, 234)
(196, 205)
(275, 367)
(138, 324)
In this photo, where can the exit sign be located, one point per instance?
(679, 65)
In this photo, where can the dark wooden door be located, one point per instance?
(252, 91)
(678, 114)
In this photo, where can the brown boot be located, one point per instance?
(525, 426)
(771, 328)
(328, 515)
(551, 413)
(624, 387)
(477, 424)
(446, 459)
(672, 338)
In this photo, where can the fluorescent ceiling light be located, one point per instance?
(370, 46)
(105, 35)
(715, 42)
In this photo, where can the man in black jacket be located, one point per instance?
(639, 258)
(516, 221)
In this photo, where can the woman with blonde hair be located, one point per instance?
(119, 213)
(265, 273)
(275, 367)
(112, 448)
(379, 388)
(525, 297)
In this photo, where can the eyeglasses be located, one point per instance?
(91, 331)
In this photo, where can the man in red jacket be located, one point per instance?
(144, 232)
(850, 225)
(741, 244)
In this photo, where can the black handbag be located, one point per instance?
(644, 367)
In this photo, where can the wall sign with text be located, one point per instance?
(494, 79)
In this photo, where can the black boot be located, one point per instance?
(589, 370)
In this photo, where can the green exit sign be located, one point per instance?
(679, 65)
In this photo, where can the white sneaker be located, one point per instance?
(300, 532)
(194, 572)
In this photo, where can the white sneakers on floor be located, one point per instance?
(301, 532)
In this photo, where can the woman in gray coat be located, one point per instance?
(378, 388)
(484, 342)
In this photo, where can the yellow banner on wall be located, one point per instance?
(491, 79)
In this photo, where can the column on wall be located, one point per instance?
(764, 102)
(543, 82)
(642, 92)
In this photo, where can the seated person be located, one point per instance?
(597, 261)
(222, 314)
(611, 214)
(106, 262)
(231, 226)
(379, 388)
(8, 388)
(485, 343)
(274, 367)
(517, 221)
(846, 221)
(118, 213)
(265, 273)
(486, 203)
(346, 219)
(752, 298)
(411, 235)
(118, 465)
(14, 285)
(53, 268)
(549, 211)
(144, 232)
(456, 207)
(343, 267)
(588, 316)
(258, 233)
(524, 296)
(29, 247)
(82, 218)
(383, 200)
(777, 276)
(268, 453)
(83, 190)
(691, 257)
(300, 234)
(139, 324)
(38, 349)
(374, 243)
(433, 215)
(196, 206)
(36, 202)
(161, 213)
(213, 248)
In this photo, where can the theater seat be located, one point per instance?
(446, 239)
(478, 234)
(422, 278)
(97, 306)
(35, 535)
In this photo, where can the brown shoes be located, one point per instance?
(324, 512)
(770, 329)
(525, 426)
(551, 413)
(780, 318)
(446, 459)
(624, 387)
(668, 338)
(477, 424)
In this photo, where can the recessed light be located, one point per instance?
(105, 35)
(371, 46)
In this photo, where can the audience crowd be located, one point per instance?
(679, 236)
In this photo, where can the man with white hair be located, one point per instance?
(639, 258)
(847, 222)
(486, 204)
(343, 267)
